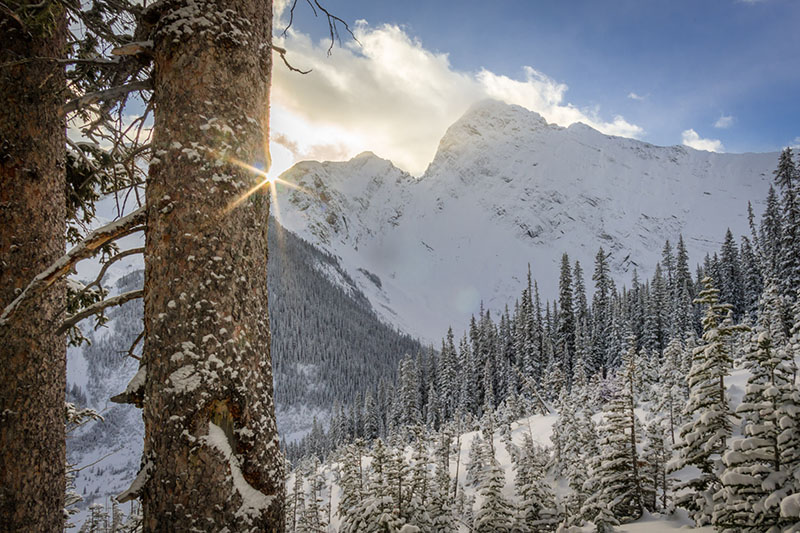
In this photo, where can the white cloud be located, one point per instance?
(724, 121)
(693, 140)
(795, 144)
(394, 97)
(633, 96)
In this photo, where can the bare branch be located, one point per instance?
(60, 61)
(333, 23)
(84, 467)
(282, 52)
(86, 248)
(97, 307)
(136, 341)
(333, 20)
(113, 93)
(107, 264)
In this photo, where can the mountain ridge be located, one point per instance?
(505, 189)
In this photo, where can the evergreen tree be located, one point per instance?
(770, 235)
(441, 506)
(407, 399)
(351, 482)
(753, 283)
(704, 438)
(496, 513)
(601, 313)
(670, 396)
(448, 376)
(536, 501)
(731, 280)
(753, 465)
(565, 344)
(656, 454)
(615, 481)
(787, 178)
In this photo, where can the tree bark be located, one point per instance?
(211, 457)
(32, 236)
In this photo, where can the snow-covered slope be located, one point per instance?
(505, 189)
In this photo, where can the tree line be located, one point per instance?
(666, 344)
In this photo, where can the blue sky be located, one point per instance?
(716, 74)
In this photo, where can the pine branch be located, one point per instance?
(106, 95)
(97, 307)
(83, 250)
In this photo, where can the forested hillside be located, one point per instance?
(677, 391)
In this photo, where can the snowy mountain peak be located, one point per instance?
(506, 189)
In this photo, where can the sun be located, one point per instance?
(266, 181)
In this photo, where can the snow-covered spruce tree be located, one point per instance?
(656, 454)
(565, 339)
(575, 443)
(704, 438)
(378, 511)
(731, 284)
(32, 236)
(536, 507)
(296, 500)
(209, 416)
(314, 518)
(441, 504)
(770, 235)
(670, 394)
(415, 507)
(351, 482)
(788, 179)
(615, 481)
(496, 512)
(601, 313)
(740, 503)
(476, 461)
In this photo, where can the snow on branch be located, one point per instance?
(83, 250)
(97, 307)
(103, 96)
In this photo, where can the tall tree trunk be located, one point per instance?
(32, 235)
(212, 457)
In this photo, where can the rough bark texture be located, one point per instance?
(32, 235)
(212, 458)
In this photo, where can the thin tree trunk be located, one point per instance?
(32, 235)
(212, 458)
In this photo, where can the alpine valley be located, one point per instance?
(365, 258)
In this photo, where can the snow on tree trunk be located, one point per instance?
(211, 456)
(32, 236)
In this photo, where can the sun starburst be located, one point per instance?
(266, 181)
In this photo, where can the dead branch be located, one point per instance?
(84, 467)
(107, 264)
(106, 95)
(135, 343)
(282, 52)
(97, 307)
(60, 61)
(86, 248)
(333, 22)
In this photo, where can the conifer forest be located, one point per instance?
(329, 266)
